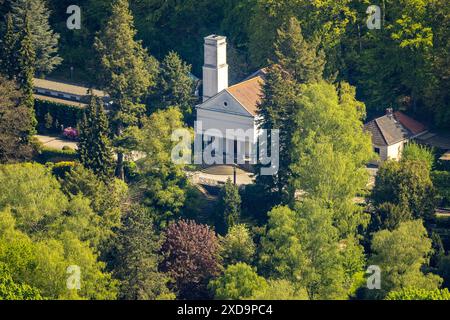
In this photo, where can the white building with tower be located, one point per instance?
(226, 108)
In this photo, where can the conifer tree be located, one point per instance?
(15, 120)
(8, 56)
(229, 205)
(44, 40)
(275, 110)
(296, 62)
(128, 73)
(175, 87)
(138, 258)
(295, 55)
(94, 147)
(26, 62)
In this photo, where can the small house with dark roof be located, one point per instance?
(226, 107)
(391, 132)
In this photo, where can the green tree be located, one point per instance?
(441, 181)
(94, 146)
(330, 151)
(407, 184)
(280, 290)
(8, 53)
(229, 206)
(106, 199)
(416, 152)
(389, 216)
(175, 86)
(128, 74)
(33, 195)
(444, 269)
(15, 124)
(88, 208)
(237, 245)
(162, 182)
(10, 290)
(437, 94)
(43, 39)
(419, 294)
(401, 255)
(239, 282)
(42, 263)
(303, 247)
(138, 258)
(26, 62)
(275, 110)
(327, 20)
(405, 42)
(303, 60)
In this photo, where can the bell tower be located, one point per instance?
(215, 68)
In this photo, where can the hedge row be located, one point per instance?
(61, 115)
(54, 155)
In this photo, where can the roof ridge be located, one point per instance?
(242, 82)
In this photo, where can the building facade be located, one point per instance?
(228, 114)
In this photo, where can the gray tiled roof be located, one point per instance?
(377, 136)
(387, 130)
(392, 130)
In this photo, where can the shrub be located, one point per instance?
(419, 294)
(55, 155)
(61, 168)
(441, 181)
(48, 121)
(70, 133)
(239, 281)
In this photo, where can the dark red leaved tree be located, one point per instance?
(192, 258)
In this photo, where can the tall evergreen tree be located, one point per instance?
(128, 73)
(26, 63)
(302, 59)
(296, 62)
(44, 40)
(138, 258)
(94, 146)
(8, 54)
(229, 206)
(275, 110)
(15, 123)
(175, 86)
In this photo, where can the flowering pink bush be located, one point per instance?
(70, 133)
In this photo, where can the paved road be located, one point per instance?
(219, 174)
(56, 142)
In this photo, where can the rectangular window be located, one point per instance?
(377, 150)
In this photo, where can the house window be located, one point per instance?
(377, 150)
(225, 103)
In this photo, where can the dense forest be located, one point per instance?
(142, 229)
(404, 64)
